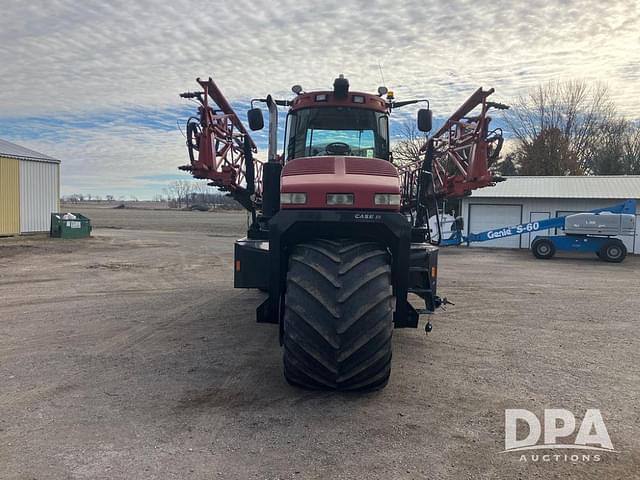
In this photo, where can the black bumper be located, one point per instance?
(257, 266)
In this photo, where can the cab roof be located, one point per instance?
(320, 99)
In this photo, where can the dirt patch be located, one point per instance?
(131, 356)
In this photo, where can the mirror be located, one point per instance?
(256, 121)
(424, 120)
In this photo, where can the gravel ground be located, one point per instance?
(130, 355)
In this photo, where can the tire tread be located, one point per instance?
(338, 319)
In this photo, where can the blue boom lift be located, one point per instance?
(584, 232)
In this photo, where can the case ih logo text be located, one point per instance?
(557, 424)
(367, 216)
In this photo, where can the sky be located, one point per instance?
(96, 83)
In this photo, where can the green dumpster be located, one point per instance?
(70, 225)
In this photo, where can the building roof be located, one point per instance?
(605, 186)
(8, 149)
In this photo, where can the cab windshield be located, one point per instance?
(337, 131)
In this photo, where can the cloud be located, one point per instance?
(87, 71)
(116, 158)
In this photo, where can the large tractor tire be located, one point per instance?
(338, 317)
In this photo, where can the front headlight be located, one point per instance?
(339, 198)
(293, 198)
(386, 199)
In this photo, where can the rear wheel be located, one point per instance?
(338, 317)
(543, 248)
(613, 251)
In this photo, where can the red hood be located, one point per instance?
(317, 176)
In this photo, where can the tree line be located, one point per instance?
(88, 197)
(189, 193)
(570, 128)
(177, 194)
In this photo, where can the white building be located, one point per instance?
(29, 189)
(525, 199)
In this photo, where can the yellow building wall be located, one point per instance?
(9, 196)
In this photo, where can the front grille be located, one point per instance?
(309, 166)
(366, 166)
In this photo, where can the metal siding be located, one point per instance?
(9, 196)
(533, 217)
(38, 195)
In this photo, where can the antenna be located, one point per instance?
(381, 74)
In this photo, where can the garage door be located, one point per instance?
(487, 217)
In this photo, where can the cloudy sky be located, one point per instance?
(95, 83)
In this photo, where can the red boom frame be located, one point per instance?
(464, 150)
(219, 137)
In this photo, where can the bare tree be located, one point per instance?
(180, 191)
(185, 188)
(617, 149)
(572, 110)
(631, 150)
(200, 192)
(608, 152)
(407, 150)
(171, 191)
